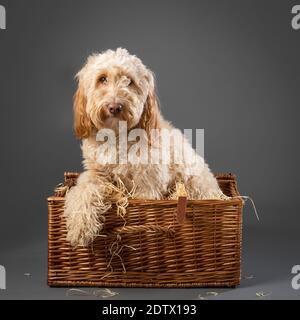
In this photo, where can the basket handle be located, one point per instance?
(181, 209)
(69, 181)
(71, 176)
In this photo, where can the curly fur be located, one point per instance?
(130, 83)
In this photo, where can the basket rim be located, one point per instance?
(220, 176)
(237, 200)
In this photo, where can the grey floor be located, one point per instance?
(268, 256)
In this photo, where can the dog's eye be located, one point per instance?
(130, 82)
(103, 79)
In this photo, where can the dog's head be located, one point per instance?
(114, 86)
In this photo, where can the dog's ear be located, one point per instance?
(82, 123)
(150, 118)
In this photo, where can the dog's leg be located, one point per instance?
(151, 181)
(199, 181)
(84, 209)
(204, 186)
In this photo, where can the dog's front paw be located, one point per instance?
(77, 236)
(84, 213)
(83, 227)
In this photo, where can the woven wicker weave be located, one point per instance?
(152, 249)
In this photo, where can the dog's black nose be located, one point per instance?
(115, 108)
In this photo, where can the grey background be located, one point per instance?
(231, 67)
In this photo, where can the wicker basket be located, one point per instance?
(153, 249)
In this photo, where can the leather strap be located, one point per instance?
(181, 209)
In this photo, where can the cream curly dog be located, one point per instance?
(115, 86)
